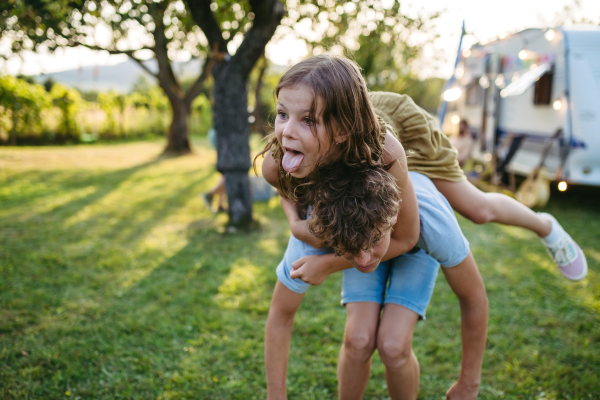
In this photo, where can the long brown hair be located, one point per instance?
(347, 108)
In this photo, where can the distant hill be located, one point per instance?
(120, 77)
(117, 77)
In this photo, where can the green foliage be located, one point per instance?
(201, 116)
(32, 116)
(68, 101)
(113, 104)
(27, 78)
(22, 104)
(116, 282)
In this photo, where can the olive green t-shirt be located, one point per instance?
(428, 150)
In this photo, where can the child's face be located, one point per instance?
(295, 131)
(368, 261)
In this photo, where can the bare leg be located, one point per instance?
(278, 334)
(219, 190)
(354, 363)
(394, 343)
(482, 208)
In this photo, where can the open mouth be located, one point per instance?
(291, 160)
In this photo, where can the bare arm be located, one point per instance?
(315, 269)
(298, 225)
(407, 228)
(278, 334)
(465, 281)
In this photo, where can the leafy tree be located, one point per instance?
(140, 29)
(23, 102)
(164, 30)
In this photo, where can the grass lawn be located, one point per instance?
(117, 283)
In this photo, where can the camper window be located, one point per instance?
(543, 89)
(474, 93)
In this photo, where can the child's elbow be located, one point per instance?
(408, 242)
(412, 241)
(475, 301)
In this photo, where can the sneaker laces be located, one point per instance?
(563, 252)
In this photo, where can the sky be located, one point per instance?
(484, 19)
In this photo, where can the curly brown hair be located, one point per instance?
(347, 107)
(353, 206)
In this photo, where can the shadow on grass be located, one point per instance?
(187, 328)
(56, 182)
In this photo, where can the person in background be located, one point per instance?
(219, 190)
(463, 143)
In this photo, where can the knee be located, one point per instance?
(359, 345)
(394, 353)
(482, 214)
(281, 315)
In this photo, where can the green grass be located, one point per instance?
(117, 283)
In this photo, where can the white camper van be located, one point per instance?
(521, 90)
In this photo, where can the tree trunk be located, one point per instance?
(259, 109)
(178, 141)
(230, 110)
(233, 131)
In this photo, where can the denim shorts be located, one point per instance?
(440, 236)
(412, 275)
(407, 280)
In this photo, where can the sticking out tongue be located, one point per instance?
(291, 160)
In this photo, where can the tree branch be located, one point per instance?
(127, 52)
(141, 64)
(196, 88)
(268, 17)
(203, 16)
(166, 77)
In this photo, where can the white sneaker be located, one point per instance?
(566, 254)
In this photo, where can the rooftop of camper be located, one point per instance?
(589, 34)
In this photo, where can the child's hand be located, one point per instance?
(311, 269)
(462, 391)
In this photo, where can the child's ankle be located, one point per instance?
(554, 235)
